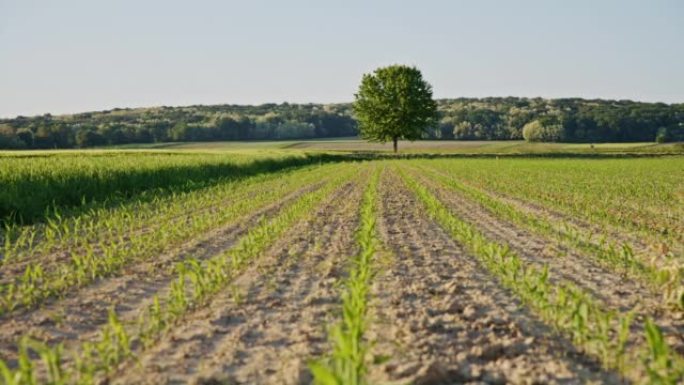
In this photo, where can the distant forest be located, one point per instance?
(533, 119)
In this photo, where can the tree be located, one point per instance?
(89, 137)
(44, 138)
(8, 138)
(539, 131)
(394, 103)
(26, 136)
(662, 135)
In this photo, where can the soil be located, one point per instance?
(436, 316)
(79, 316)
(269, 335)
(440, 318)
(614, 290)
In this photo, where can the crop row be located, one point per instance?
(642, 195)
(346, 364)
(601, 333)
(665, 279)
(32, 184)
(108, 257)
(195, 283)
(62, 233)
(61, 226)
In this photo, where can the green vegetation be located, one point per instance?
(37, 186)
(173, 124)
(569, 120)
(347, 364)
(539, 131)
(599, 332)
(206, 278)
(394, 103)
(484, 148)
(665, 278)
(202, 253)
(579, 120)
(107, 255)
(643, 195)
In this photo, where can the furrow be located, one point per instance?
(267, 334)
(36, 285)
(440, 318)
(609, 287)
(150, 223)
(78, 318)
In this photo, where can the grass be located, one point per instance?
(488, 147)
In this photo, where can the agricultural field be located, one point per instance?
(457, 147)
(275, 266)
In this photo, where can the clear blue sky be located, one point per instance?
(78, 55)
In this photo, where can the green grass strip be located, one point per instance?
(347, 362)
(603, 334)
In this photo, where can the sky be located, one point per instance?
(63, 56)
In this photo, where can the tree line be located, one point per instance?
(509, 118)
(561, 120)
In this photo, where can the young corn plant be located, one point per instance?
(620, 257)
(194, 284)
(114, 344)
(52, 361)
(661, 366)
(24, 374)
(347, 362)
(110, 254)
(599, 332)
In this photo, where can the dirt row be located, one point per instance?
(646, 246)
(439, 318)
(567, 264)
(656, 251)
(280, 322)
(11, 269)
(78, 316)
(436, 317)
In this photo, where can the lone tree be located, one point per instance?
(394, 103)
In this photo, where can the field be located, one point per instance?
(474, 147)
(265, 264)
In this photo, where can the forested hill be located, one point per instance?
(536, 119)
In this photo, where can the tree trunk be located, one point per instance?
(394, 141)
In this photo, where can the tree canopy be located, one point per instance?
(394, 103)
(579, 120)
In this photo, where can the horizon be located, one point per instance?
(77, 56)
